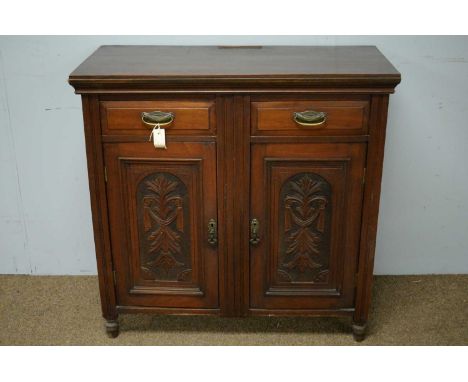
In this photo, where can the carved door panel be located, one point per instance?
(307, 200)
(163, 213)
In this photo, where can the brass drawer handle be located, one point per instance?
(310, 118)
(254, 228)
(212, 232)
(154, 118)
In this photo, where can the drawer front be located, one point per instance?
(342, 117)
(191, 117)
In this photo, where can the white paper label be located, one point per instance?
(159, 137)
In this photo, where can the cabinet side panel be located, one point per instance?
(374, 164)
(99, 205)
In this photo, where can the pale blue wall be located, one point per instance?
(45, 217)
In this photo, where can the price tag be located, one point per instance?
(158, 136)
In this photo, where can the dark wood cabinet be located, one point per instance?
(264, 200)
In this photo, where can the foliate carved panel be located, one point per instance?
(304, 228)
(164, 234)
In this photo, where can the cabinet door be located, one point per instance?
(163, 214)
(307, 201)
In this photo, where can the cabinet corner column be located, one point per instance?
(97, 187)
(374, 163)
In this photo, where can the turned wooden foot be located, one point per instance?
(112, 328)
(359, 331)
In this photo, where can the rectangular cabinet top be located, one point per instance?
(153, 67)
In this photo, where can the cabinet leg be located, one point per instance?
(359, 331)
(112, 328)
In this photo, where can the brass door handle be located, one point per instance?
(254, 228)
(310, 118)
(212, 232)
(154, 118)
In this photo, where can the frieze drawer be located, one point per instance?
(191, 117)
(310, 117)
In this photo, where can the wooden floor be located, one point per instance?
(65, 310)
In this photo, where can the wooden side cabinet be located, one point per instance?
(257, 192)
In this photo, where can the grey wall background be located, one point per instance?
(45, 217)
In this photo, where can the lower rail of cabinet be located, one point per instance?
(112, 325)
